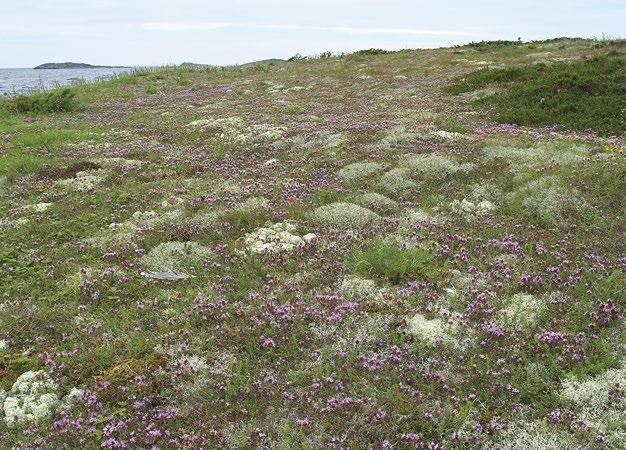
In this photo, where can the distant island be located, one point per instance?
(191, 65)
(264, 62)
(72, 65)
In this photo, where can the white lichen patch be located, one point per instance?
(523, 159)
(234, 129)
(377, 202)
(397, 181)
(7, 223)
(400, 139)
(85, 181)
(176, 257)
(357, 288)
(225, 122)
(470, 209)
(253, 204)
(266, 132)
(486, 191)
(433, 165)
(322, 140)
(114, 162)
(38, 207)
(523, 309)
(32, 397)
(594, 392)
(600, 403)
(533, 435)
(89, 275)
(432, 331)
(418, 216)
(549, 201)
(359, 171)
(345, 216)
(124, 233)
(448, 135)
(276, 238)
(361, 331)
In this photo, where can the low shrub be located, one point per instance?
(58, 100)
(579, 95)
(491, 44)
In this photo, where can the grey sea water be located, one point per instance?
(22, 81)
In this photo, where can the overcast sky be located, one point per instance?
(151, 32)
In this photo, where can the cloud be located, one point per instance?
(182, 26)
(164, 26)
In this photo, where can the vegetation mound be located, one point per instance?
(579, 95)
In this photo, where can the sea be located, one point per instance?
(22, 81)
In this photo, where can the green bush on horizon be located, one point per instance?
(372, 51)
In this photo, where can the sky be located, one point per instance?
(155, 32)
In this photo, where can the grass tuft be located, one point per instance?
(394, 264)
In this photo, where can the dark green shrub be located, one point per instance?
(394, 264)
(58, 100)
(580, 95)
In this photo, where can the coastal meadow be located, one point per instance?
(336, 252)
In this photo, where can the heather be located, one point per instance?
(329, 252)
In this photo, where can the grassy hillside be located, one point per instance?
(374, 250)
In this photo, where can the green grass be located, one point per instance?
(454, 126)
(10, 124)
(394, 264)
(17, 163)
(50, 139)
(581, 95)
